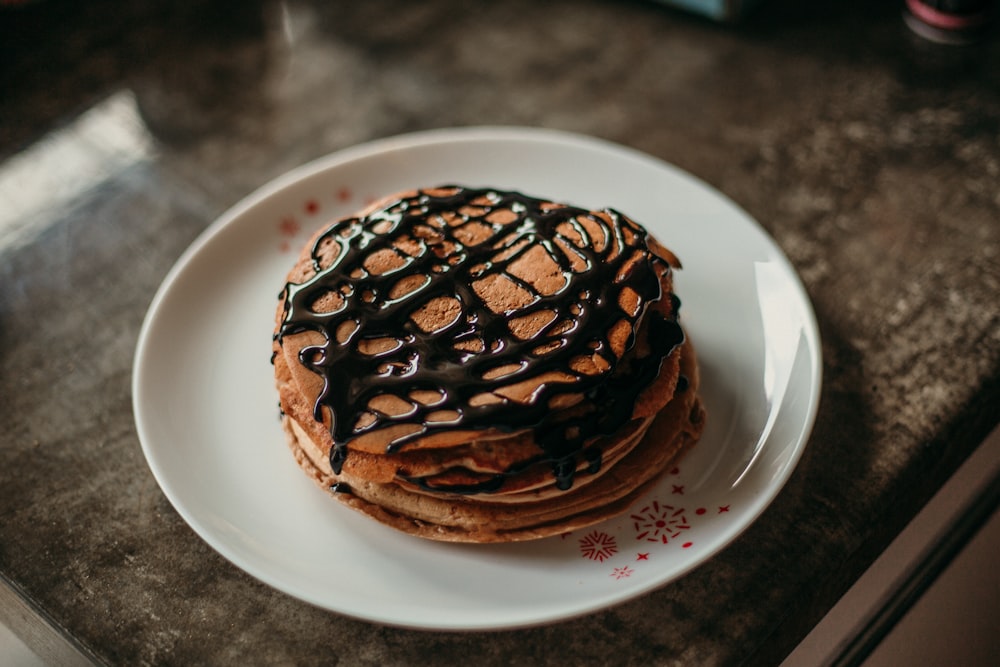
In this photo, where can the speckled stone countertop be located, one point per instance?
(871, 156)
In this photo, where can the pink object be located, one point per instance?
(945, 20)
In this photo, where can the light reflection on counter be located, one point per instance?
(104, 141)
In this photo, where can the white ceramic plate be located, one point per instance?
(207, 416)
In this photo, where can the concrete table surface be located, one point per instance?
(871, 156)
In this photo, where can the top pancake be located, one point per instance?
(450, 315)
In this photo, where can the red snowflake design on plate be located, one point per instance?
(598, 546)
(622, 572)
(659, 523)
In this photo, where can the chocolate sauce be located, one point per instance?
(429, 235)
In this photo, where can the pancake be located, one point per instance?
(471, 364)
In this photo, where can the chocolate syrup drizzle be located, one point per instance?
(423, 231)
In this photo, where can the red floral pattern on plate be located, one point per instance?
(656, 524)
(598, 545)
(659, 523)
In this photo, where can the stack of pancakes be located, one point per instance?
(478, 365)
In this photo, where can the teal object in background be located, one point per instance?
(719, 10)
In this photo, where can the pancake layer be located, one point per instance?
(479, 365)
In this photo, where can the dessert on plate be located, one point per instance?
(479, 365)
